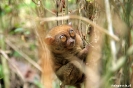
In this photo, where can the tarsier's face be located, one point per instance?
(65, 40)
(61, 38)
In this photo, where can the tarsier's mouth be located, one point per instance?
(71, 45)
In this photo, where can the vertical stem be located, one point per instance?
(66, 10)
(5, 72)
(4, 62)
(110, 29)
(57, 10)
(112, 42)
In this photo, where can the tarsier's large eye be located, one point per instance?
(72, 33)
(63, 38)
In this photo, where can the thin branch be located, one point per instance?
(40, 40)
(17, 70)
(24, 55)
(43, 20)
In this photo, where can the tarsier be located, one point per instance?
(66, 46)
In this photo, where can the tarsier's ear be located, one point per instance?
(49, 40)
(70, 23)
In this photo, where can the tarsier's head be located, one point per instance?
(62, 38)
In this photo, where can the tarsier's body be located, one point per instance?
(66, 45)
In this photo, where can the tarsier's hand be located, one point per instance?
(83, 53)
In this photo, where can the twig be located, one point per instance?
(80, 18)
(17, 70)
(24, 55)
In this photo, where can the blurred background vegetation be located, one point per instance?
(20, 28)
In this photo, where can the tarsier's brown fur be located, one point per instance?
(65, 46)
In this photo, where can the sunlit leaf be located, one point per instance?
(19, 30)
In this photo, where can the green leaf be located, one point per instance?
(27, 32)
(32, 46)
(19, 30)
(7, 9)
(16, 54)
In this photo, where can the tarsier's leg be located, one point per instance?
(63, 74)
(65, 70)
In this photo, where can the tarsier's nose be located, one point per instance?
(72, 43)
